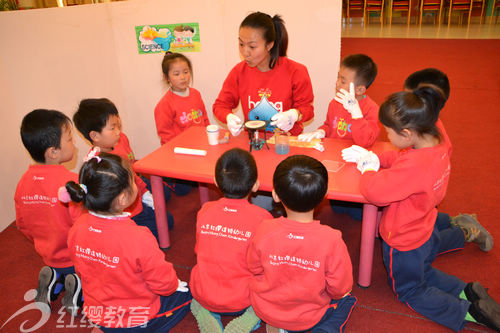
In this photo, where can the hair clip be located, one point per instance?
(84, 187)
(94, 153)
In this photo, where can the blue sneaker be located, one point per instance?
(72, 299)
(47, 279)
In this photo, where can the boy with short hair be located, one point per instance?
(302, 270)
(464, 227)
(97, 119)
(40, 216)
(351, 114)
(224, 228)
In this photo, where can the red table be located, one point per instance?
(342, 185)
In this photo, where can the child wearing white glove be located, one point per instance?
(411, 185)
(351, 114)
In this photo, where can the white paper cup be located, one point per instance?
(213, 134)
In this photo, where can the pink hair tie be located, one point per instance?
(94, 153)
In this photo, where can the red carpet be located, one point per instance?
(471, 118)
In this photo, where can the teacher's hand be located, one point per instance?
(285, 120)
(234, 124)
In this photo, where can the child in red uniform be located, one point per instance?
(302, 270)
(467, 223)
(266, 72)
(351, 115)
(181, 107)
(409, 187)
(224, 228)
(40, 216)
(127, 284)
(358, 120)
(98, 121)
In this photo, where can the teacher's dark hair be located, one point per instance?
(274, 30)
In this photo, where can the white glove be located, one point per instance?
(234, 124)
(285, 120)
(368, 162)
(147, 199)
(349, 101)
(353, 153)
(317, 134)
(182, 287)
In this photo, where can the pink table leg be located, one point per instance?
(160, 211)
(203, 188)
(368, 231)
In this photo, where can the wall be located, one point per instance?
(52, 58)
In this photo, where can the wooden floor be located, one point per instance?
(398, 29)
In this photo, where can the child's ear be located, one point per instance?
(94, 136)
(275, 196)
(408, 134)
(255, 186)
(51, 153)
(215, 182)
(122, 199)
(360, 90)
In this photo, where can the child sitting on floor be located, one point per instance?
(127, 284)
(98, 121)
(411, 183)
(302, 270)
(40, 216)
(224, 228)
(467, 223)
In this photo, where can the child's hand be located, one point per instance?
(285, 120)
(182, 287)
(368, 162)
(234, 124)
(147, 199)
(353, 153)
(349, 101)
(317, 134)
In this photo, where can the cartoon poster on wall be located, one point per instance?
(182, 37)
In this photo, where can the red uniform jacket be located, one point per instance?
(224, 228)
(123, 271)
(298, 269)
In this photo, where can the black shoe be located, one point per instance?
(474, 291)
(486, 312)
(47, 279)
(72, 299)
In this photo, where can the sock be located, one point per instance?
(468, 317)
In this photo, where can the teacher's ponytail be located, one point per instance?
(281, 42)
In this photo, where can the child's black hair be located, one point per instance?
(169, 58)
(301, 182)
(429, 76)
(101, 180)
(42, 129)
(274, 30)
(236, 173)
(364, 66)
(93, 114)
(417, 110)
